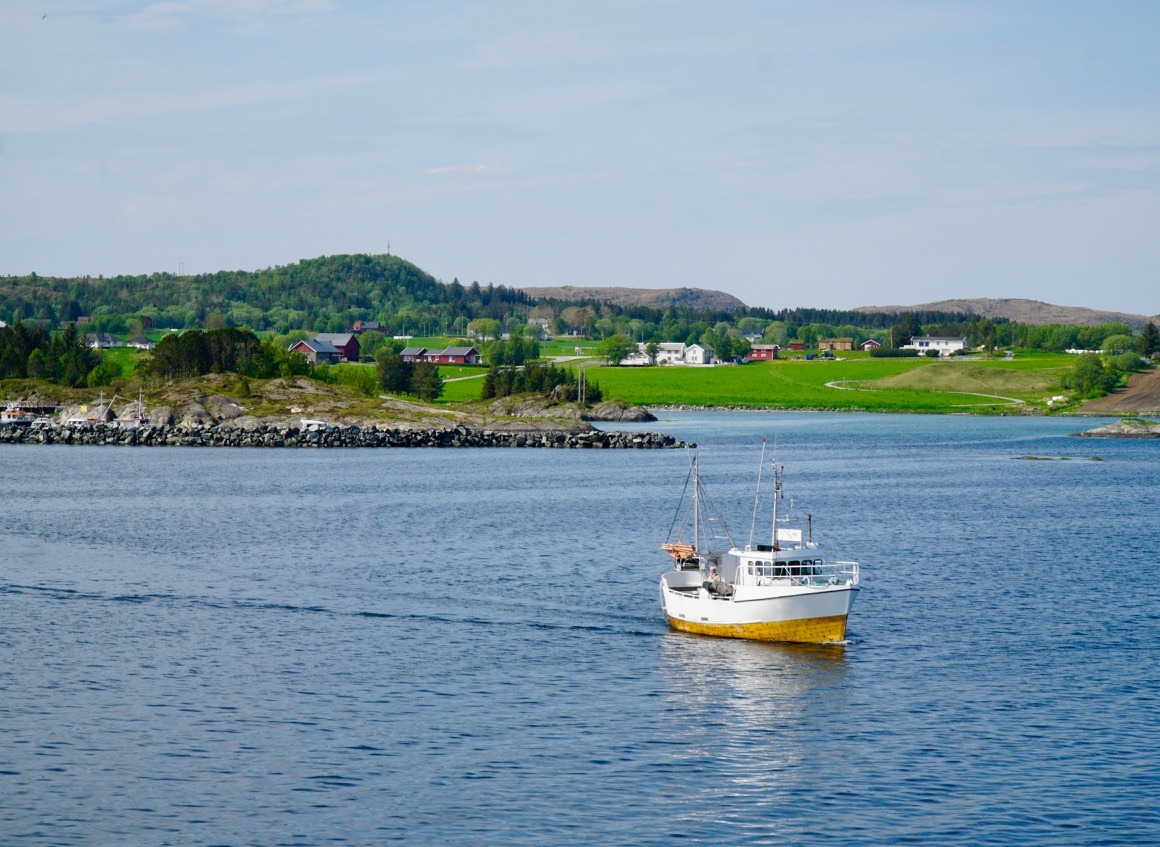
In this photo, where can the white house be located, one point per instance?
(942, 345)
(103, 341)
(637, 357)
(699, 354)
(671, 352)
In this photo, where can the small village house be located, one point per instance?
(942, 345)
(835, 343)
(699, 354)
(870, 344)
(455, 356)
(413, 354)
(345, 342)
(317, 352)
(763, 352)
(638, 357)
(140, 342)
(103, 341)
(670, 352)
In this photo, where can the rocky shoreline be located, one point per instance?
(332, 437)
(1131, 428)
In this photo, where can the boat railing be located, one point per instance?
(815, 573)
(846, 569)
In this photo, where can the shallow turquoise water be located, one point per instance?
(464, 646)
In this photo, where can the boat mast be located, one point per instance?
(756, 495)
(696, 509)
(776, 494)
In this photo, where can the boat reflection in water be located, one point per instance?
(751, 714)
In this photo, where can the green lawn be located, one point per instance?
(567, 346)
(126, 358)
(916, 385)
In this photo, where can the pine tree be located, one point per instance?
(1149, 340)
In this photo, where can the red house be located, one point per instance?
(763, 352)
(345, 342)
(870, 344)
(455, 356)
(414, 354)
(797, 345)
(317, 352)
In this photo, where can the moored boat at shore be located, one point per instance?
(781, 591)
(13, 415)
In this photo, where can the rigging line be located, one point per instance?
(713, 511)
(669, 537)
(757, 494)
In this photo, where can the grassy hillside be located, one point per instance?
(902, 385)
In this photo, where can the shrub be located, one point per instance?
(1089, 377)
(1129, 362)
(893, 353)
(1116, 344)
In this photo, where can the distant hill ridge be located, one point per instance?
(1032, 312)
(657, 298)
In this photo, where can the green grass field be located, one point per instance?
(126, 358)
(866, 384)
(567, 347)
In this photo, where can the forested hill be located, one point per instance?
(324, 294)
(699, 299)
(1031, 312)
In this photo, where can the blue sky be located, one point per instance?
(829, 154)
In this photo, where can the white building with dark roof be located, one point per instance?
(939, 344)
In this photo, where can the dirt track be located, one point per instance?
(1141, 396)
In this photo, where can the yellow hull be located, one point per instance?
(806, 630)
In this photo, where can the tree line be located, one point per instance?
(327, 294)
(558, 383)
(28, 350)
(197, 352)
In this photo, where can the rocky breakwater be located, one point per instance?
(330, 437)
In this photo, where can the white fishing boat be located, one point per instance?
(13, 415)
(781, 591)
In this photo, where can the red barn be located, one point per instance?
(317, 352)
(345, 342)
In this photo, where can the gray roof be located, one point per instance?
(338, 339)
(413, 351)
(458, 351)
(317, 346)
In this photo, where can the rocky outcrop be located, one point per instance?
(614, 410)
(539, 406)
(1131, 428)
(264, 435)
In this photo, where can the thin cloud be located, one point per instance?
(248, 13)
(457, 170)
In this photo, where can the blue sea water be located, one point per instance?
(205, 647)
